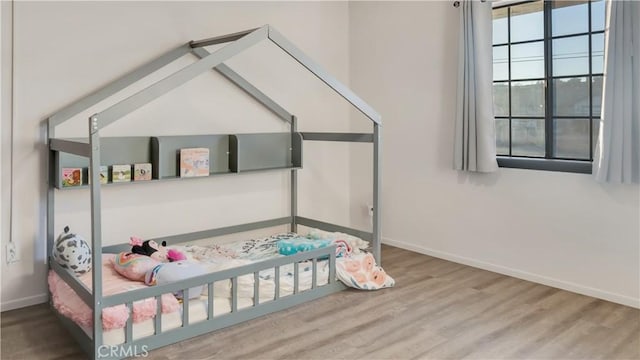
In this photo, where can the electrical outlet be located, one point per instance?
(370, 210)
(12, 253)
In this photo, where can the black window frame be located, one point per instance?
(548, 162)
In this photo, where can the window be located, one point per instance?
(547, 83)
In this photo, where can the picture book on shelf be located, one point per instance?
(120, 173)
(104, 175)
(194, 162)
(71, 177)
(141, 172)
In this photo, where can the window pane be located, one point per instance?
(571, 56)
(527, 61)
(571, 97)
(571, 138)
(500, 26)
(597, 15)
(501, 99)
(527, 98)
(596, 92)
(569, 17)
(502, 136)
(527, 22)
(527, 137)
(597, 53)
(500, 63)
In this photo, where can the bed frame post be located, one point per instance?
(377, 160)
(96, 233)
(50, 192)
(294, 180)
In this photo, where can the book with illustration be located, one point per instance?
(104, 175)
(141, 172)
(71, 177)
(194, 162)
(120, 173)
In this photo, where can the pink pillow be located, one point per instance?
(133, 266)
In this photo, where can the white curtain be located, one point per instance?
(617, 155)
(475, 140)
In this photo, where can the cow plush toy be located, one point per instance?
(72, 252)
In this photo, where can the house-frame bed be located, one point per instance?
(95, 150)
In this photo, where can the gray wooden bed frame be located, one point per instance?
(94, 150)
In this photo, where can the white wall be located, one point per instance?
(65, 50)
(561, 229)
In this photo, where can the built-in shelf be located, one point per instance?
(264, 151)
(177, 178)
(228, 155)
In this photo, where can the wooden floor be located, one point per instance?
(438, 310)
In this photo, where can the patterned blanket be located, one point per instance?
(354, 266)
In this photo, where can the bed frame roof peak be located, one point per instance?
(236, 43)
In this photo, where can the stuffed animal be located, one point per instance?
(167, 273)
(72, 252)
(133, 266)
(154, 250)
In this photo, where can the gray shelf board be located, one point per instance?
(127, 150)
(177, 178)
(265, 151)
(124, 183)
(211, 174)
(166, 153)
(270, 169)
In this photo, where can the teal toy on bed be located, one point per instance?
(300, 244)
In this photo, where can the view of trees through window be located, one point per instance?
(547, 70)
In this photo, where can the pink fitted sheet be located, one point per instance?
(69, 304)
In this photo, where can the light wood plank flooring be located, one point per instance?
(438, 310)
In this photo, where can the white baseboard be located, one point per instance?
(560, 284)
(23, 302)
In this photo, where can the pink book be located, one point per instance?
(141, 172)
(194, 162)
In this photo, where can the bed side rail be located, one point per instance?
(364, 235)
(227, 274)
(81, 289)
(181, 238)
(260, 306)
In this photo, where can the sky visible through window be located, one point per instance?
(569, 17)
